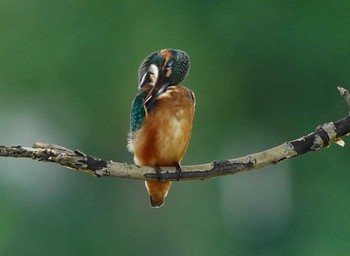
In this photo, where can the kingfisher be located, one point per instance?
(161, 117)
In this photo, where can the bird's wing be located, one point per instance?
(138, 112)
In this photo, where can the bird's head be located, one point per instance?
(162, 69)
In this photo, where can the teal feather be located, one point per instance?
(138, 111)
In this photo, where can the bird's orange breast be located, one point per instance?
(165, 134)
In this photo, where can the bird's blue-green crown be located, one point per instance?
(179, 62)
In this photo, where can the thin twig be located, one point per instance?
(345, 93)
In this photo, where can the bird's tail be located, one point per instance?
(157, 191)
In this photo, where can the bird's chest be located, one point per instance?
(166, 130)
(171, 124)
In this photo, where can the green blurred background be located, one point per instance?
(263, 72)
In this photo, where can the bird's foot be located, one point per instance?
(178, 171)
(157, 170)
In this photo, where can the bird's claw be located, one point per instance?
(157, 170)
(178, 171)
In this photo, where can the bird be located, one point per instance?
(161, 117)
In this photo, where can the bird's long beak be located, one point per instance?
(159, 87)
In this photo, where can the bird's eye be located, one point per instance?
(170, 63)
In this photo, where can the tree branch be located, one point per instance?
(79, 161)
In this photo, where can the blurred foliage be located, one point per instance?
(263, 72)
